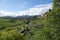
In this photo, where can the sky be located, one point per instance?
(24, 7)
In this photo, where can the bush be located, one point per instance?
(11, 35)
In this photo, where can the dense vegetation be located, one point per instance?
(46, 27)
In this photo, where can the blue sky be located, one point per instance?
(24, 7)
(20, 5)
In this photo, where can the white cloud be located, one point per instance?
(36, 10)
(4, 13)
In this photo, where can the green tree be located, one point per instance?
(54, 21)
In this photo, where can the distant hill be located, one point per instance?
(25, 16)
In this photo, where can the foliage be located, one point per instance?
(11, 35)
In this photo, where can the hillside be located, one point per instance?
(46, 27)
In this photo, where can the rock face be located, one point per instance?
(28, 25)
